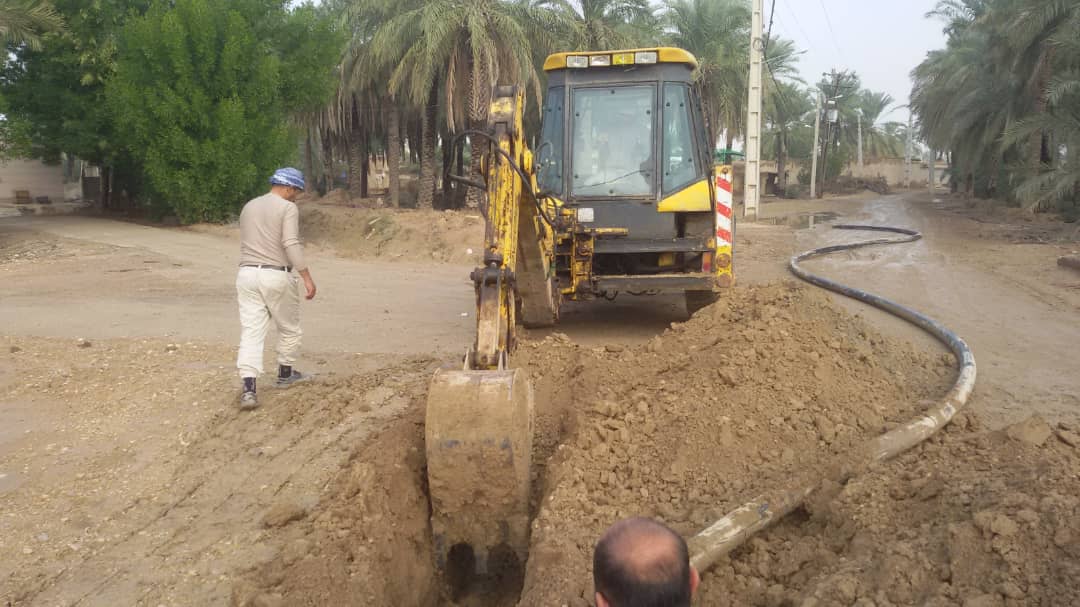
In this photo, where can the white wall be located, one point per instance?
(35, 176)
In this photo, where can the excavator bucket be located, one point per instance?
(479, 428)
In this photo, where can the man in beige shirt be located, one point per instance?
(266, 287)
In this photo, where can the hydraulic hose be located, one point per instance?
(728, 533)
(458, 143)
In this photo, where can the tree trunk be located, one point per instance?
(309, 159)
(415, 141)
(447, 159)
(480, 89)
(328, 164)
(428, 134)
(365, 169)
(1039, 144)
(355, 152)
(393, 153)
(460, 190)
(781, 162)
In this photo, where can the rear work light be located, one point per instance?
(577, 61)
(600, 60)
(645, 57)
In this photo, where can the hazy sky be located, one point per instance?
(882, 40)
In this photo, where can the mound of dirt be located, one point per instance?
(394, 234)
(743, 396)
(362, 229)
(972, 519)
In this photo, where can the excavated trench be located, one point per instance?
(370, 540)
(741, 398)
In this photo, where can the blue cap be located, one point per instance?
(288, 177)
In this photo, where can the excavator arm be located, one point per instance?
(479, 419)
(518, 244)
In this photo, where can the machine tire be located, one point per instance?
(696, 300)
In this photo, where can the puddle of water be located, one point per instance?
(802, 221)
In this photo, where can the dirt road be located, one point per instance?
(1015, 307)
(97, 278)
(127, 477)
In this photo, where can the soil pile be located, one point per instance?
(358, 231)
(735, 401)
(971, 519)
(394, 234)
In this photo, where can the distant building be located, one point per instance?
(25, 180)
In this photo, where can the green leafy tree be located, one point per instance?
(202, 93)
(55, 94)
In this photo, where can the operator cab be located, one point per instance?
(624, 143)
(623, 125)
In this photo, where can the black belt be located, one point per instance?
(262, 267)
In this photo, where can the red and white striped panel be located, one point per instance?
(723, 210)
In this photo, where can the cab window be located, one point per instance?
(678, 164)
(549, 155)
(612, 141)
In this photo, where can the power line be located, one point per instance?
(765, 56)
(828, 22)
(809, 41)
(768, 36)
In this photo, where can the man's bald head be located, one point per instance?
(640, 562)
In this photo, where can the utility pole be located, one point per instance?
(907, 151)
(814, 150)
(752, 195)
(832, 114)
(859, 113)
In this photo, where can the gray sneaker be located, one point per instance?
(295, 378)
(248, 401)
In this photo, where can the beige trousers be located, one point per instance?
(267, 295)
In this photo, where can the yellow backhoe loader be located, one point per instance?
(621, 196)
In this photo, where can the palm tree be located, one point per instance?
(1060, 180)
(24, 21)
(1028, 26)
(462, 48)
(369, 105)
(716, 32)
(596, 25)
(787, 107)
(877, 143)
(1005, 73)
